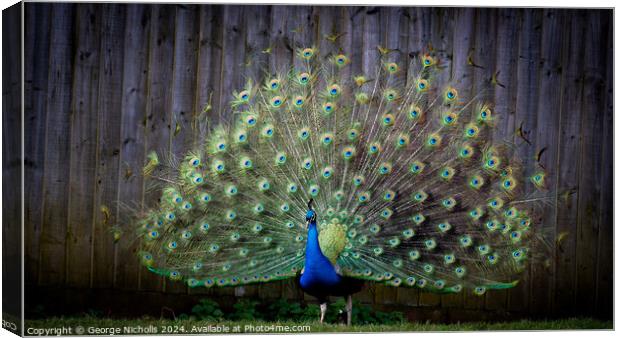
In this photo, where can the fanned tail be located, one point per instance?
(410, 188)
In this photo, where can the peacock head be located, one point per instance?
(310, 214)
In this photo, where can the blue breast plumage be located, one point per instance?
(320, 278)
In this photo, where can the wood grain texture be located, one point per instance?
(52, 255)
(591, 160)
(107, 83)
(525, 115)
(104, 257)
(132, 151)
(158, 128)
(604, 277)
(183, 88)
(83, 146)
(35, 112)
(549, 106)
(12, 123)
(568, 175)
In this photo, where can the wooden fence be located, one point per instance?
(106, 83)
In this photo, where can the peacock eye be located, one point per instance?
(328, 107)
(303, 78)
(341, 60)
(307, 53)
(392, 67)
(274, 84)
(334, 90)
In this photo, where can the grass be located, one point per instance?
(186, 326)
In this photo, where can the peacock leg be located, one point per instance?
(323, 310)
(349, 309)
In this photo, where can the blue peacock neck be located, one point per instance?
(318, 270)
(314, 254)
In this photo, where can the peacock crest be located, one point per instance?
(410, 187)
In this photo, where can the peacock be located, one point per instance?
(337, 179)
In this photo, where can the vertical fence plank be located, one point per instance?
(211, 51)
(352, 21)
(549, 106)
(182, 114)
(329, 35)
(279, 48)
(12, 128)
(132, 152)
(257, 41)
(604, 278)
(525, 116)
(104, 262)
(588, 222)
(302, 27)
(83, 145)
(158, 129)
(36, 77)
(184, 78)
(568, 165)
(233, 52)
(419, 31)
(442, 34)
(371, 39)
(56, 178)
(505, 72)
